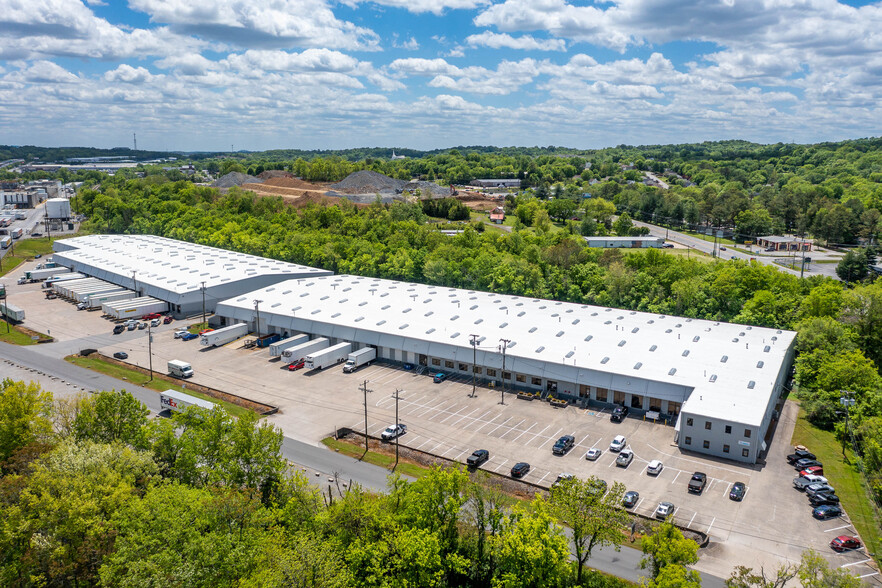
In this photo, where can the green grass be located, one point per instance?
(14, 336)
(710, 239)
(24, 249)
(372, 457)
(135, 377)
(845, 477)
(197, 327)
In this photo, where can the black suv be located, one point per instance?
(698, 482)
(822, 498)
(520, 469)
(800, 454)
(477, 458)
(563, 445)
(804, 463)
(618, 414)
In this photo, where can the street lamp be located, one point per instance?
(203, 306)
(257, 310)
(504, 346)
(474, 363)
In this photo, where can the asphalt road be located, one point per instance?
(319, 463)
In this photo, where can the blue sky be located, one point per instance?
(265, 74)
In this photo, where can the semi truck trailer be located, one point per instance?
(359, 358)
(178, 401)
(224, 335)
(98, 300)
(180, 369)
(49, 282)
(42, 274)
(16, 233)
(12, 312)
(298, 353)
(97, 291)
(328, 357)
(277, 348)
(134, 308)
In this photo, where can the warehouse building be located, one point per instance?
(179, 273)
(716, 383)
(625, 242)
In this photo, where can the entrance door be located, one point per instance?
(424, 360)
(551, 386)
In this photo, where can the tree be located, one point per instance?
(623, 224)
(665, 547)
(561, 208)
(744, 577)
(113, 417)
(596, 519)
(25, 411)
(863, 311)
(815, 572)
(676, 576)
(852, 267)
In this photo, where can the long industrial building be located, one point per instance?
(175, 272)
(718, 383)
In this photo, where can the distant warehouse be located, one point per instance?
(175, 272)
(717, 383)
(625, 242)
(497, 183)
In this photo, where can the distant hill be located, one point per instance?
(57, 154)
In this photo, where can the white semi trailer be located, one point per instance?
(299, 353)
(42, 274)
(98, 300)
(224, 335)
(134, 308)
(49, 282)
(12, 312)
(178, 401)
(359, 358)
(277, 348)
(328, 357)
(97, 291)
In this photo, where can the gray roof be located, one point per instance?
(778, 239)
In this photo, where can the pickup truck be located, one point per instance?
(697, 482)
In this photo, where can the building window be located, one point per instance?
(463, 367)
(688, 441)
(745, 452)
(747, 433)
(725, 449)
(536, 381)
(436, 361)
(707, 425)
(491, 373)
(728, 429)
(448, 364)
(584, 391)
(601, 394)
(506, 375)
(521, 378)
(689, 422)
(706, 444)
(478, 370)
(673, 408)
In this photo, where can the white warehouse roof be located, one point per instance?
(731, 368)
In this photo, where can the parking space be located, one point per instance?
(773, 523)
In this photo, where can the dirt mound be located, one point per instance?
(292, 182)
(428, 190)
(274, 173)
(234, 179)
(368, 182)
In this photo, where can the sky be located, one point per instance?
(322, 74)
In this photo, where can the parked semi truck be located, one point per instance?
(98, 300)
(328, 357)
(12, 312)
(180, 369)
(42, 274)
(298, 353)
(108, 288)
(178, 401)
(359, 358)
(277, 348)
(267, 340)
(224, 335)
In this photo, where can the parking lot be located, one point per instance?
(771, 525)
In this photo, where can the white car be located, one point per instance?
(155, 322)
(593, 454)
(626, 456)
(618, 443)
(180, 333)
(393, 431)
(815, 479)
(654, 468)
(664, 510)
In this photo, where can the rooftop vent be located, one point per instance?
(607, 322)
(735, 340)
(653, 348)
(604, 360)
(473, 307)
(713, 378)
(430, 331)
(678, 325)
(430, 313)
(335, 315)
(760, 364)
(406, 310)
(382, 322)
(532, 329)
(404, 326)
(672, 371)
(316, 311)
(669, 330)
(724, 359)
(767, 348)
(540, 349)
(522, 313)
(454, 317)
(589, 337)
(622, 343)
(559, 334)
(750, 385)
(685, 352)
(455, 335)
(650, 321)
(479, 321)
(385, 307)
(638, 365)
(695, 339)
(635, 329)
(774, 338)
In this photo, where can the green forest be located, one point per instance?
(95, 493)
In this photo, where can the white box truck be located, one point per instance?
(178, 401)
(179, 369)
(224, 335)
(5, 241)
(359, 358)
(16, 233)
(299, 353)
(328, 357)
(12, 312)
(278, 347)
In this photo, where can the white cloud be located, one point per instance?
(188, 64)
(43, 72)
(410, 44)
(128, 74)
(436, 7)
(524, 42)
(417, 66)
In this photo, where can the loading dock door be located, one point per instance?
(424, 360)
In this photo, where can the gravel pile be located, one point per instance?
(368, 182)
(428, 190)
(234, 179)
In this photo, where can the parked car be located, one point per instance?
(801, 483)
(618, 443)
(152, 315)
(155, 322)
(38, 256)
(823, 498)
(477, 458)
(561, 478)
(800, 454)
(180, 333)
(844, 542)
(520, 469)
(618, 414)
(722, 248)
(142, 326)
(189, 336)
(697, 482)
(132, 326)
(812, 471)
(814, 479)
(819, 488)
(121, 355)
(828, 511)
(439, 377)
(593, 454)
(297, 365)
(630, 499)
(564, 444)
(167, 320)
(118, 329)
(203, 331)
(664, 510)
(626, 456)
(667, 246)
(654, 468)
(737, 492)
(806, 463)
(393, 431)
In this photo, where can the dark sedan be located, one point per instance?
(520, 469)
(630, 499)
(825, 512)
(121, 355)
(564, 444)
(618, 414)
(823, 498)
(738, 491)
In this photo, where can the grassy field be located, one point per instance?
(845, 477)
(703, 237)
(24, 249)
(14, 336)
(121, 373)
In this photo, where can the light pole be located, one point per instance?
(504, 346)
(257, 310)
(397, 437)
(365, 389)
(474, 363)
(846, 400)
(150, 347)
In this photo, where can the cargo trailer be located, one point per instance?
(12, 312)
(16, 233)
(178, 401)
(359, 358)
(42, 274)
(134, 308)
(277, 348)
(65, 289)
(96, 291)
(98, 300)
(267, 340)
(5, 241)
(299, 353)
(328, 357)
(225, 335)
(49, 282)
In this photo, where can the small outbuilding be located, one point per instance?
(786, 243)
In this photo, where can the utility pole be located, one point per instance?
(134, 281)
(847, 400)
(365, 389)
(504, 346)
(397, 437)
(474, 362)
(203, 305)
(5, 316)
(802, 265)
(257, 310)
(150, 347)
